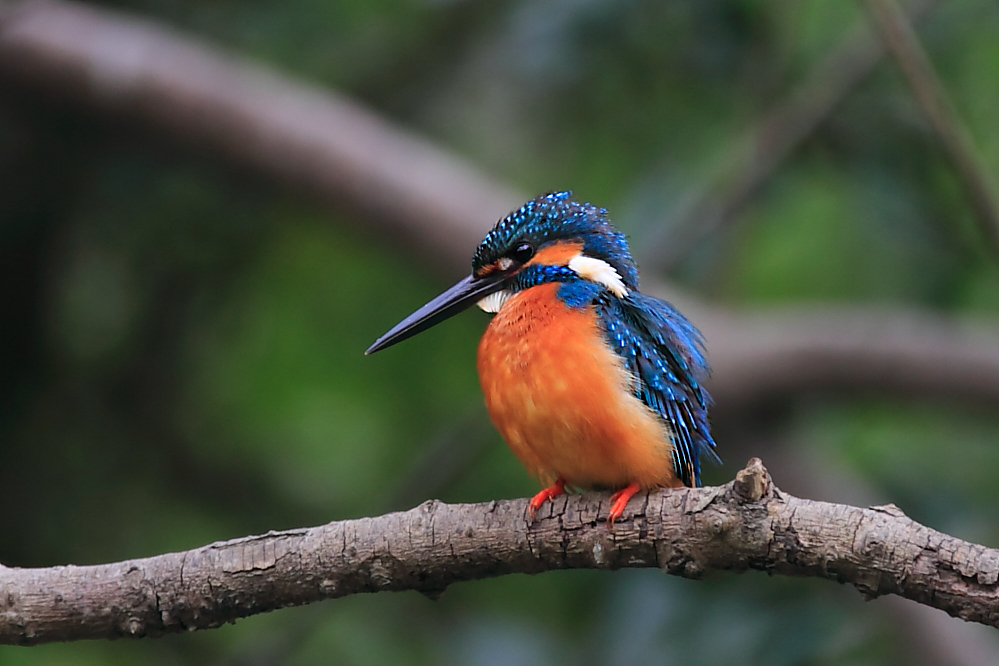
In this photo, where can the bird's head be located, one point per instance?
(549, 239)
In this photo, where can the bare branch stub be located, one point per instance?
(753, 481)
(747, 524)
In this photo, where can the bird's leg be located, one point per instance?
(545, 495)
(619, 501)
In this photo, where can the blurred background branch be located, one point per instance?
(901, 39)
(758, 155)
(424, 197)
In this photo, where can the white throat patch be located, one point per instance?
(599, 271)
(494, 301)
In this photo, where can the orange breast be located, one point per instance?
(562, 399)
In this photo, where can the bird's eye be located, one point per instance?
(522, 253)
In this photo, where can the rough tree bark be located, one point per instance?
(747, 524)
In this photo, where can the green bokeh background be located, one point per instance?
(181, 344)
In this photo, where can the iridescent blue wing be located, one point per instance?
(665, 353)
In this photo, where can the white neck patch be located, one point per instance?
(599, 271)
(494, 301)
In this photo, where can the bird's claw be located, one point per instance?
(549, 493)
(619, 501)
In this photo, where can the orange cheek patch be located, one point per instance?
(487, 269)
(558, 254)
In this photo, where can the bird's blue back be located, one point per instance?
(665, 354)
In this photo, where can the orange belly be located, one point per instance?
(562, 399)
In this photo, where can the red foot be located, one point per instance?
(619, 501)
(547, 494)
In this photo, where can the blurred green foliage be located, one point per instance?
(180, 346)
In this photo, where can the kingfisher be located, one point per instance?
(592, 383)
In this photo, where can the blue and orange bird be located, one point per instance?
(592, 383)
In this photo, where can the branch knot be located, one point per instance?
(753, 482)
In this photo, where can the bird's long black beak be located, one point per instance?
(448, 304)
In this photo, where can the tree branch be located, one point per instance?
(775, 352)
(769, 143)
(747, 524)
(295, 134)
(899, 35)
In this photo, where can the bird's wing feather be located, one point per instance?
(665, 353)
